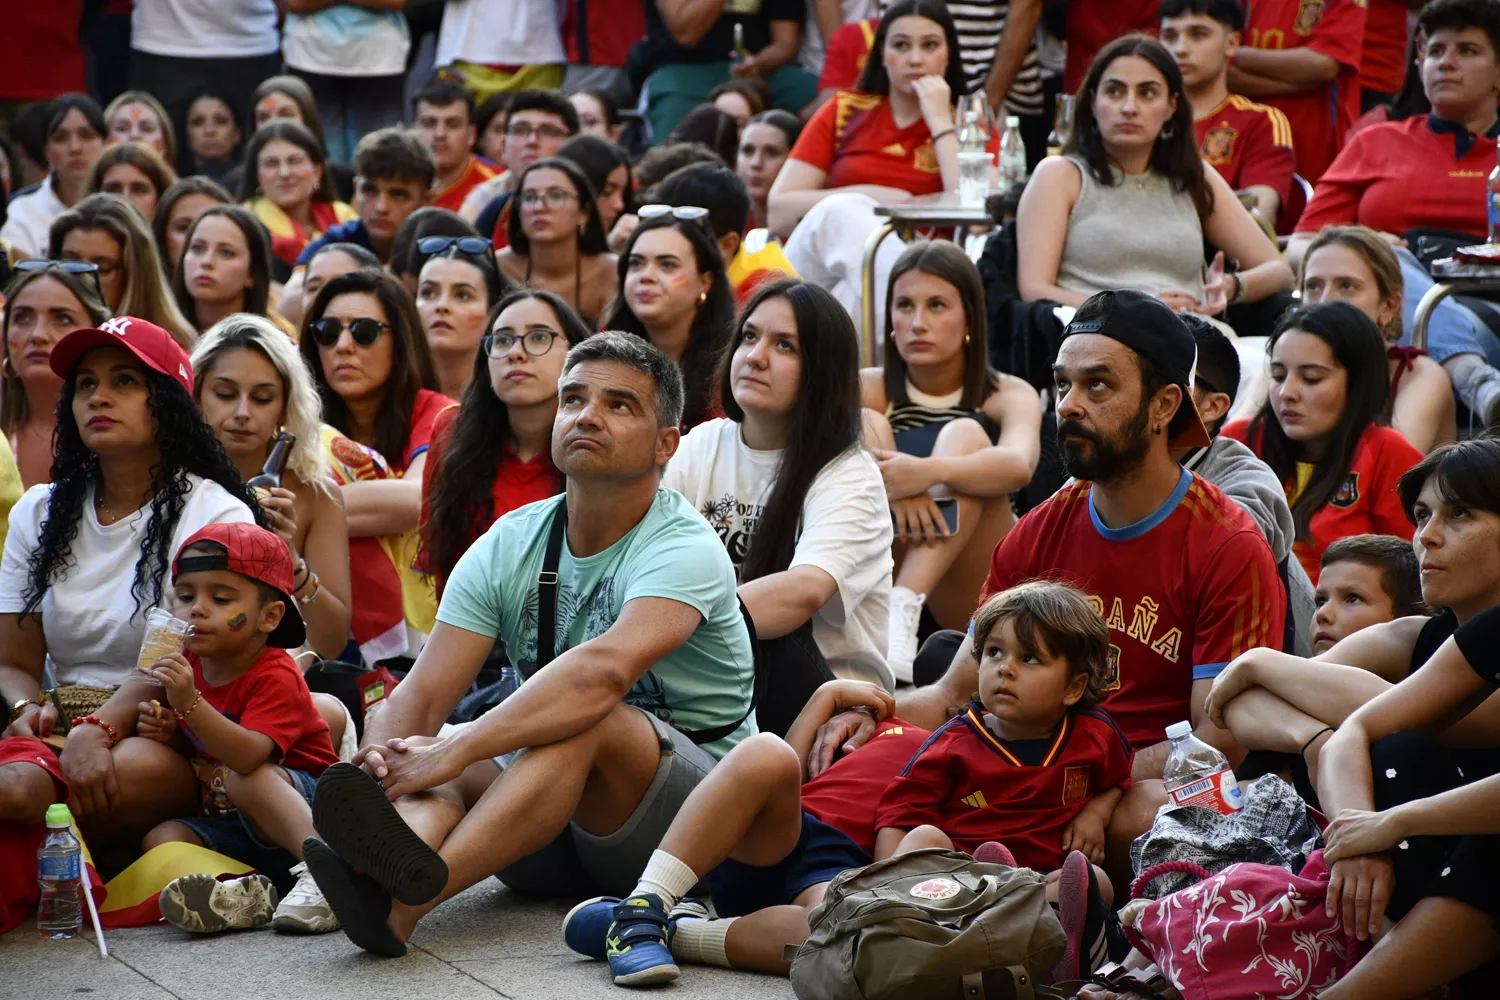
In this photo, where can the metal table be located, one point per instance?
(1453, 278)
(904, 221)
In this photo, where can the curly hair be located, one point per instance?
(185, 445)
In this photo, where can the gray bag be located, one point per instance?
(929, 925)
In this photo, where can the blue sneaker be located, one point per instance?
(638, 953)
(586, 927)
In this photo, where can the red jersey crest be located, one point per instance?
(1347, 494)
(1218, 145)
(1309, 14)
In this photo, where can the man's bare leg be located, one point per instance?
(596, 778)
(1132, 817)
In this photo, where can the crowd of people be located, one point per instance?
(483, 383)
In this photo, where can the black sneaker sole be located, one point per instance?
(361, 905)
(353, 816)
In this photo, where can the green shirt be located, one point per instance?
(672, 553)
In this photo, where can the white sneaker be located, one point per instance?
(901, 647)
(202, 904)
(304, 910)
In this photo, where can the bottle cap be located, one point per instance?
(1178, 730)
(58, 815)
(1011, 121)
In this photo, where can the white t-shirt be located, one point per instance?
(205, 29)
(346, 40)
(501, 33)
(28, 219)
(845, 531)
(88, 614)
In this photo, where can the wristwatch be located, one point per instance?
(18, 707)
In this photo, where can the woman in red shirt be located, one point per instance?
(1320, 429)
(501, 433)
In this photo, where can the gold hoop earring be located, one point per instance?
(5, 367)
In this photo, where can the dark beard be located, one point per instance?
(1098, 461)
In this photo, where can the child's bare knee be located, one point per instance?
(768, 756)
(170, 832)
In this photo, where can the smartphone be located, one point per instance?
(947, 506)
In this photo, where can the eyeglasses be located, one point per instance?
(329, 329)
(521, 130)
(535, 342)
(69, 266)
(554, 197)
(472, 245)
(682, 213)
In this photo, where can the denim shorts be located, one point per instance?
(234, 837)
(821, 854)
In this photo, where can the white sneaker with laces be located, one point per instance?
(304, 910)
(905, 616)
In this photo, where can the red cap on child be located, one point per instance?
(255, 553)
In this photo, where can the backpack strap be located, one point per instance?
(546, 582)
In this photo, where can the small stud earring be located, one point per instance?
(966, 340)
(702, 297)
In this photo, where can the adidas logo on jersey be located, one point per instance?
(975, 801)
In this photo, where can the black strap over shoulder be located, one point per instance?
(546, 582)
(546, 627)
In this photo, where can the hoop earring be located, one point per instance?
(1168, 130)
(5, 367)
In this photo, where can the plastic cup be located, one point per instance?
(974, 177)
(164, 635)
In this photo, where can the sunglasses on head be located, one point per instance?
(70, 266)
(682, 213)
(364, 330)
(472, 245)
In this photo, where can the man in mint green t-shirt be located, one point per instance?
(652, 658)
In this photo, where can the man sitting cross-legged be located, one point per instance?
(651, 654)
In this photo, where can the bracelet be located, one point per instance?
(867, 710)
(94, 720)
(1320, 732)
(19, 708)
(1239, 289)
(302, 570)
(950, 130)
(182, 716)
(312, 594)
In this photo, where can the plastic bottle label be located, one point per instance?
(1494, 209)
(61, 868)
(1217, 790)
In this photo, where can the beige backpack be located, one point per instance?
(929, 925)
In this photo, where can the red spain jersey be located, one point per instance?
(1382, 64)
(1366, 503)
(1183, 591)
(1334, 28)
(1249, 144)
(975, 786)
(271, 698)
(854, 140)
(845, 795)
(1421, 171)
(1093, 24)
(846, 54)
(452, 197)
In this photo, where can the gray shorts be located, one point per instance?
(579, 863)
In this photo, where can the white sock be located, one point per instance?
(666, 877)
(1477, 386)
(701, 941)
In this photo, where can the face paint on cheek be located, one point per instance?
(238, 620)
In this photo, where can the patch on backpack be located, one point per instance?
(936, 888)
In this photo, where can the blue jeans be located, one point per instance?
(354, 106)
(1452, 328)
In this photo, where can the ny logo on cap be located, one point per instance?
(117, 326)
(182, 371)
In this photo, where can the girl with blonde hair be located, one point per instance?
(137, 116)
(135, 172)
(251, 383)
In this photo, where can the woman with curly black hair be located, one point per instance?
(674, 292)
(136, 471)
(501, 433)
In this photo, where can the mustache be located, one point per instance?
(1074, 428)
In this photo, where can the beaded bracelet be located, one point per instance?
(182, 716)
(94, 720)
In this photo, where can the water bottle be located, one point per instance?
(59, 867)
(510, 679)
(1012, 154)
(1492, 199)
(1199, 775)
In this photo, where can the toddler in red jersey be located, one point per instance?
(237, 706)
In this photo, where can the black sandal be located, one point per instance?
(361, 905)
(356, 820)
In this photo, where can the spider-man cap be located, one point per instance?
(150, 343)
(255, 553)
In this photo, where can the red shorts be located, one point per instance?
(19, 841)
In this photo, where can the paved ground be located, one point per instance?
(482, 945)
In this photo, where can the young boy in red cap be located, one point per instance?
(236, 704)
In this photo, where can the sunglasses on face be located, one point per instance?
(70, 266)
(364, 330)
(682, 213)
(473, 245)
(533, 342)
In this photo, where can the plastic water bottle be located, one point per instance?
(1012, 154)
(510, 679)
(59, 868)
(1492, 201)
(1199, 775)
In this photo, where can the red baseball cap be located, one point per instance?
(150, 343)
(254, 553)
